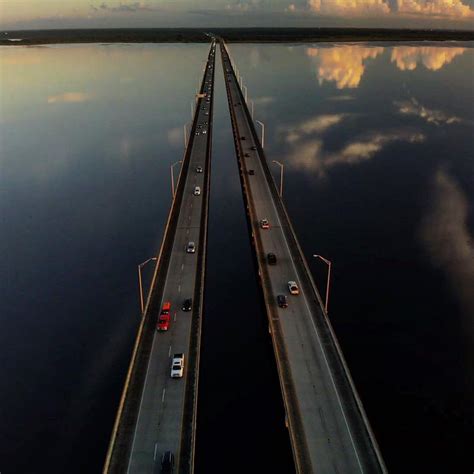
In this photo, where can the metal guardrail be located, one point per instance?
(119, 446)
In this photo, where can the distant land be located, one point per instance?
(241, 35)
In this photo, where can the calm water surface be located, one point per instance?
(379, 178)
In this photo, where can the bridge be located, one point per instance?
(328, 427)
(327, 424)
(157, 413)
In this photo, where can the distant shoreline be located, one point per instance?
(231, 35)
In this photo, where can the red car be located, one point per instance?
(164, 319)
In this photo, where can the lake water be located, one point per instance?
(379, 178)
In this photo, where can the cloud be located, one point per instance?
(125, 7)
(343, 65)
(349, 7)
(450, 246)
(69, 98)
(433, 58)
(265, 100)
(175, 136)
(315, 125)
(310, 155)
(440, 8)
(436, 117)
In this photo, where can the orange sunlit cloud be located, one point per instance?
(353, 7)
(344, 65)
(69, 98)
(442, 8)
(408, 57)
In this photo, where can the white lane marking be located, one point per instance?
(169, 351)
(179, 288)
(163, 396)
(187, 232)
(182, 266)
(311, 317)
(154, 454)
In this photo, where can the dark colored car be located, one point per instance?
(282, 301)
(246, 155)
(242, 137)
(188, 304)
(252, 172)
(253, 147)
(271, 258)
(167, 463)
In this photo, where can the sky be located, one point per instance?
(31, 14)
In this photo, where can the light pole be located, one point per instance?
(140, 280)
(245, 87)
(192, 109)
(263, 132)
(281, 175)
(329, 264)
(251, 107)
(172, 176)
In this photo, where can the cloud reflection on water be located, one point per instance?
(407, 58)
(436, 117)
(445, 235)
(344, 65)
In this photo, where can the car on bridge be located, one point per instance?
(177, 366)
(163, 323)
(282, 301)
(198, 169)
(271, 259)
(197, 190)
(264, 224)
(187, 304)
(191, 247)
(167, 463)
(293, 288)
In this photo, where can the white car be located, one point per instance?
(197, 191)
(191, 247)
(198, 169)
(177, 366)
(293, 287)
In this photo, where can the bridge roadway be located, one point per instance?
(165, 414)
(328, 429)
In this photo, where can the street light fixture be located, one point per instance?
(172, 176)
(281, 175)
(329, 264)
(140, 280)
(263, 132)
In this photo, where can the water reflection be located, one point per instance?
(379, 177)
(407, 58)
(344, 65)
(448, 241)
(436, 117)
